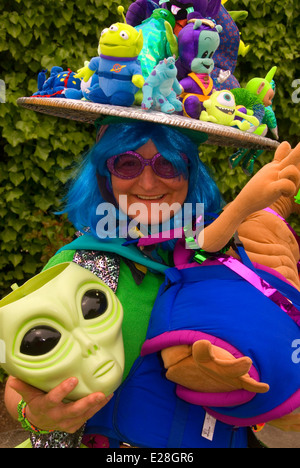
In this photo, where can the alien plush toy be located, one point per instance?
(64, 322)
(221, 108)
(257, 96)
(78, 94)
(119, 72)
(197, 43)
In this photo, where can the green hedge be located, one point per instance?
(38, 152)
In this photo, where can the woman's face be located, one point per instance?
(153, 194)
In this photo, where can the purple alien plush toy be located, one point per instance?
(197, 43)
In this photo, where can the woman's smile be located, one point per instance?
(150, 197)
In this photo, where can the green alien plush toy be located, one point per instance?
(64, 322)
(221, 109)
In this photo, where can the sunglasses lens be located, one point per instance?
(127, 166)
(164, 168)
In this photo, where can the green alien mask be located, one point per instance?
(64, 322)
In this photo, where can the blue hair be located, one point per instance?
(84, 195)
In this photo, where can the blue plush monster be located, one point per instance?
(161, 87)
(57, 83)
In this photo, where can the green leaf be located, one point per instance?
(14, 30)
(14, 194)
(15, 259)
(9, 235)
(16, 178)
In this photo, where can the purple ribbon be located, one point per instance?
(161, 237)
(262, 285)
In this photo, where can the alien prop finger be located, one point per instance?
(64, 322)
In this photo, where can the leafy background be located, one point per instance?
(38, 152)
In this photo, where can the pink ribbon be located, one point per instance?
(265, 288)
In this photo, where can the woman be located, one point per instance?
(148, 164)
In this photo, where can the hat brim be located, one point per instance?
(202, 132)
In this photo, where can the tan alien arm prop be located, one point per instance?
(280, 178)
(267, 239)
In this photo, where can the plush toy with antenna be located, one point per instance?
(197, 43)
(117, 67)
(256, 97)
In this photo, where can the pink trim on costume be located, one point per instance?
(285, 408)
(221, 399)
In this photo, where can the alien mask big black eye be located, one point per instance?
(39, 341)
(94, 304)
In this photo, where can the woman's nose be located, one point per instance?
(148, 178)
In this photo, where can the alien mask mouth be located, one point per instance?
(178, 9)
(225, 110)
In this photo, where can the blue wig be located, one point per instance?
(84, 194)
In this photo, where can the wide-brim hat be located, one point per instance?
(199, 131)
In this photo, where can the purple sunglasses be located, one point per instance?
(130, 164)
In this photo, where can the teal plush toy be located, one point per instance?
(161, 87)
(159, 41)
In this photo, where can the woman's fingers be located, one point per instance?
(59, 393)
(48, 411)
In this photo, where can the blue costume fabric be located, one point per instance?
(220, 304)
(146, 410)
(115, 80)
